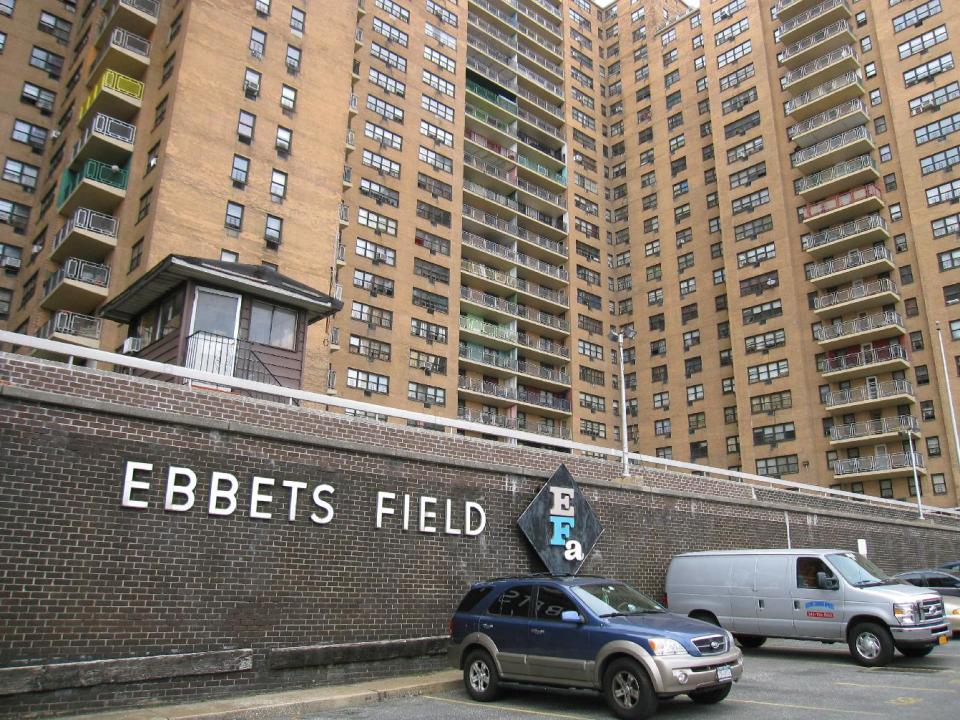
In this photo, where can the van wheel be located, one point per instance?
(750, 641)
(871, 644)
(480, 676)
(922, 651)
(628, 691)
(711, 696)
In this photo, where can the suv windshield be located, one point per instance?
(609, 599)
(858, 571)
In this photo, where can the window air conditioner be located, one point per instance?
(131, 345)
(11, 263)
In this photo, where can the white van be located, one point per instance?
(826, 595)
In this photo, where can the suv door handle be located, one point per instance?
(537, 631)
(486, 626)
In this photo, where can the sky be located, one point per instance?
(604, 3)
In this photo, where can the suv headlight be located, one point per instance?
(666, 646)
(906, 613)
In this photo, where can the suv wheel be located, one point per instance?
(480, 676)
(871, 644)
(628, 691)
(712, 695)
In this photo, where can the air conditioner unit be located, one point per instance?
(11, 263)
(131, 345)
(252, 89)
(44, 106)
(293, 65)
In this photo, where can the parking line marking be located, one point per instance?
(804, 707)
(896, 687)
(506, 707)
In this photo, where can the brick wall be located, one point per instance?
(88, 579)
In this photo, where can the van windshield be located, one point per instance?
(611, 599)
(858, 571)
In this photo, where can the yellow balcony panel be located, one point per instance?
(817, 17)
(88, 235)
(879, 466)
(137, 16)
(79, 286)
(857, 297)
(840, 208)
(833, 150)
(787, 9)
(819, 43)
(116, 95)
(105, 139)
(94, 185)
(125, 52)
(825, 96)
(871, 396)
(841, 238)
(850, 267)
(879, 326)
(836, 179)
(866, 362)
(871, 432)
(835, 121)
(820, 70)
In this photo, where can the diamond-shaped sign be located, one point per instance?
(560, 524)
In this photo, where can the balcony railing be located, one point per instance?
(869, 428)
(492, 301)
(70, 323)
(851, 78)
(540, 102)
(829, 145)
(808, 15)
(804, 44)
(841, 200)
(852, 260)
(112, 80)
(866, 393)
(850, 229)
(84, 219)
(860, 325)
(815, 66)
(827, 117)
(231, 357)
(840, 170)
(495, 248)
(108, 127)
(485, 387)
(878, 463)
(493, 330)
(855, 292)
(498, 276)
(534, 120)
(487, 357)
(864, 358)
(529, 368)
(493, 97)
(540, 40)
(84, 271)
(97, 172)
(544, 22)
(543, 399)
(504, 37)
(126, 40)
(488, 418)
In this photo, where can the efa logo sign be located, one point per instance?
(560, 524)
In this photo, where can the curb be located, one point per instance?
(290, 705)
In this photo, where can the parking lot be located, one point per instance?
(783, 679)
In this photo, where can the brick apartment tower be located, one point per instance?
(760, 191)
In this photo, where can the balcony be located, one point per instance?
(878, 326)
(857, 297)
(866, 362)
(138, 16)
(545, 402)
(88, 235)
(817, 17)
(819, 43)
(852, 266)
(828, 152)
(543, 373)
(787, 9)
(506, 310)
(95, 185)
(873, 431)
(871, 396)
(491, 278)
(842, 60)
(346, 179)
(78, 285)
(114, 94)
(871, 228)
(833, 92)
(70, 327)
(896, 465)
(838, 178)
(488, 418)
(504, 258)
(105, 139)
(541, 21)
(125, 52)
(845, 206)
(491, 393)
(829, 123)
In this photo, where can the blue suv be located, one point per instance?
(588, 632)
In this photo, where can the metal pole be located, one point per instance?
(623, 408)
(916, 480)
(953, 410)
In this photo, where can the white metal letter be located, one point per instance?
(129, 484)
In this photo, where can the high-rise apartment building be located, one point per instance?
(758, 195)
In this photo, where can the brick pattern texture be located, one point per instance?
(85, 578)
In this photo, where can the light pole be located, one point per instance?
(946, 377)
(629, 333)
(916, 480)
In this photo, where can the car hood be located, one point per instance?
(665, 624)
(897, 593)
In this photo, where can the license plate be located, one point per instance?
(942, 639)
(724, 673)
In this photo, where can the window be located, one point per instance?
(298, 19)
(278, 185)
(284, 140)
(273, 230)
(778, 466)
(240, 171)
(273, 325)
(234, 216)
(144, 207)
(21, 173)
(294, 58)
(916, 16)
(136, 255)
(367, 381)
(245, 126)
(49, 62)
(426, 394)
(258, 42)
(288, 98)
(938, 480)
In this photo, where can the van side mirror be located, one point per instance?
(571, 616)
(825, 582)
